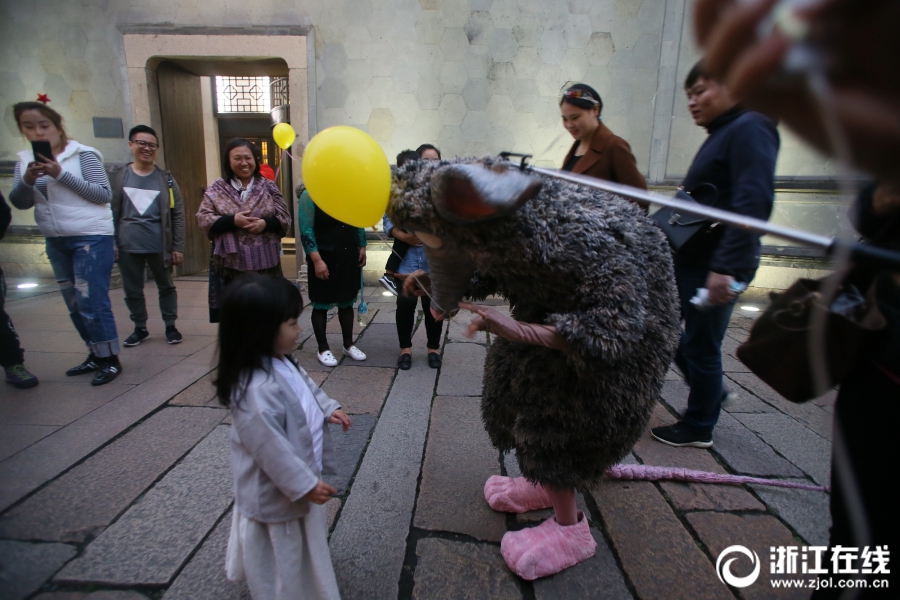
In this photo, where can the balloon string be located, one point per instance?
(416, 279)
(278, 170)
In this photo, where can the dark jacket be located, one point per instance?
(5, 220)
(884, 232)
(738, 158)
(609, 157)
(171, 219)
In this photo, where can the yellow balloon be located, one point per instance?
(347, 175)
(284, 135)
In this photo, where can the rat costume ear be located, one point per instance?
(465, 194)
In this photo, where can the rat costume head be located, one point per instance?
(584, 261)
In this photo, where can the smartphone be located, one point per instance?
(42, 148)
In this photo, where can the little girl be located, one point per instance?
(280, 446)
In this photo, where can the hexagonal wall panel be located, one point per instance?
(454, 43)
(503, 45)
(381, 124)
(552, 47)
(504, 13)
(476, 94)
(452, 109)
(430, 26)
(501, 78)
(453, 77)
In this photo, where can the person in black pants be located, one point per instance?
(399, 247)
(738, 158)
(12, 356)
(401, 244)
(413, 261)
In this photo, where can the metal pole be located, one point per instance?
(870, 254)
(715, 214)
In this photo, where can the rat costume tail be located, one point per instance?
(648, 473)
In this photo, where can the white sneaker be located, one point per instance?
(354, 353)
(327, 358)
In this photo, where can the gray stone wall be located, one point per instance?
(471, 76)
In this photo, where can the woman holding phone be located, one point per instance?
(69, 191)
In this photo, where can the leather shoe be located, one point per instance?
(90, 364)
(405, 362)
(434, 360)
(110, 368)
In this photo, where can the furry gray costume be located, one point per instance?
(590, 264)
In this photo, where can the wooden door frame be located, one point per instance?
(147, 46)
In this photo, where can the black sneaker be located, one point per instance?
(390, 284)
(173, 336)
(680, 435)
(110, 368)
(90, 365)
(140, 334)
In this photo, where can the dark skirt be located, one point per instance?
(343, 281)
(220, 276)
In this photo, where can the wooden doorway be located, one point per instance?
(181, 113)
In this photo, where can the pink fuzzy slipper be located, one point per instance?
(505, 494)
(548, 548)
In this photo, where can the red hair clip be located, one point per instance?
(43, 98)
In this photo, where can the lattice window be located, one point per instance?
(280, 92)
(242, 95)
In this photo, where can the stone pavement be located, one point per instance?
(123, 492)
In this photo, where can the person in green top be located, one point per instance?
(335, 255)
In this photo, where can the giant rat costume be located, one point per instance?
(596, 321)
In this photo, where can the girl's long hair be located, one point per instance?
(253, 309)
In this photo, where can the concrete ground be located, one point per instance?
(124, 491)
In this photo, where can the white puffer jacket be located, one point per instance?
(63, 212)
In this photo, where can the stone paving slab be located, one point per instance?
(203, 578)
(81, 503)
(386, 315)
(813, 415)
(707, 496)
(47, 458)
(14, 438)
(334, 325)
(450, 570)
(795, 442)
(805, 511)
(654, 548)
(597, 577)
(66, 340)
(380, 344)
(459, 458)
(191, 345)
(359, 391)
(745, 453)
(462, 370)
(368, 544)
(348, 449)
(151, 541)
(759, 533)
(200, 393)
(101, 595)
(24, 567)
(52, 403)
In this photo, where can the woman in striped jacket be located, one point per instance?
(71, 196)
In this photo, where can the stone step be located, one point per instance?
(658, 554)
(152, 540)
(40, 462)
(368, 544)
(81, 503)
(24, 566)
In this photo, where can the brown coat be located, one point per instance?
(608, 157)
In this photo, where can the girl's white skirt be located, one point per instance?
(282, 561)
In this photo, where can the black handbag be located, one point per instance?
(681, 228)
(778, 349)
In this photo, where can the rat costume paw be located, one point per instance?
(505, 494)
(548, 548)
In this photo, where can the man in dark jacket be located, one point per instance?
(738, 158)
(12, 356)
(148, 212)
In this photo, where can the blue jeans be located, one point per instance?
(699, 354)
(83, 266)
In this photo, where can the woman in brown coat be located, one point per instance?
(597, 151)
